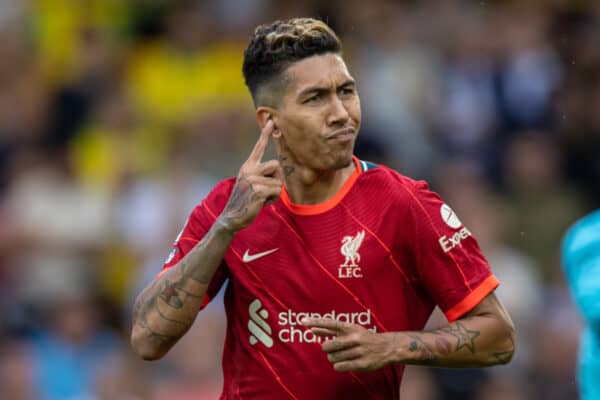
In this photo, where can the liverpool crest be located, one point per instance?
(349, 249)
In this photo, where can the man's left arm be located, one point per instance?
(483, 337)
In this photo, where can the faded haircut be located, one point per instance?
(275, 46)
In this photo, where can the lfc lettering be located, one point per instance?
(349, 271)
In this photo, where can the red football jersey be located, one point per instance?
(381, 253)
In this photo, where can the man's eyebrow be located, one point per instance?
(320, 89)
(313, 89)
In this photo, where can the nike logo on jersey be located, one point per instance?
(251, 257)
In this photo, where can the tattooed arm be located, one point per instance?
(484, 337)
(165, 309)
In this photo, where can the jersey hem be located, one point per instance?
(473, 298)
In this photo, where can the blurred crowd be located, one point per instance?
(117, 117)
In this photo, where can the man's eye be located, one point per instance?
(347, 91)
(313, 99)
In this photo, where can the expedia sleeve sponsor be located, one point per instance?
(450, 242)
(441, 255)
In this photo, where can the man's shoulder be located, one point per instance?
(382, 176)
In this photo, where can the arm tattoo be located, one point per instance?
(419, 347)
(168, 306)
(174, 294)
(170, 296)
(474, 341)
(140, 316)
(237, 203)
(443, 346)
(440, 347)
(464, 337)
(189, 264)
(504, 357)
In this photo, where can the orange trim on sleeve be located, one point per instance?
(473, 298)
(313, 209)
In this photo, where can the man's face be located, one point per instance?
(319, 115)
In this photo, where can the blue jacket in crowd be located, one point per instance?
(581, 262)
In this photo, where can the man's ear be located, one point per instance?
(263, 115)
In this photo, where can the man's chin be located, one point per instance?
(343, 162)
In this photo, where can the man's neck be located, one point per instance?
(307, 186)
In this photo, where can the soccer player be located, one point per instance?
(333, 264)
(581, 262)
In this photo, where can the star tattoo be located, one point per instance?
(465, 337)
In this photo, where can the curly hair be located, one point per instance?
(275, 46)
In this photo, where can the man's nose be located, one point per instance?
(338, 114)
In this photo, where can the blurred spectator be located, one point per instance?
(191, 70)
(530, 72)
(191, 365)
(56, 225)
(552, 374)
(541, 203)
(16, 370)
(123, 377)
(398, 80)
(71, 353)
(468, 115)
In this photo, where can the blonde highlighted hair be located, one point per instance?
(275, 46)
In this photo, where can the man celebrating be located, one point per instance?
(334, 264)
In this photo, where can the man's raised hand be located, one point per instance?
(257, 184)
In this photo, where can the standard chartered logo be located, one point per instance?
(292, 331)
(290, 328)
(259, 329)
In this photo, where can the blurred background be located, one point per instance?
(117, 117)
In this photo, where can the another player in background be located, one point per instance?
(581, 262)
(333, 264)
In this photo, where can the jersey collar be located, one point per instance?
(313, 209)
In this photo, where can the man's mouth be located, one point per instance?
(342, 135)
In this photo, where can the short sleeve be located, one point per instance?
(447, 258)
(197, 225)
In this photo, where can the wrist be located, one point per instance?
(394, 348)
(224, 226)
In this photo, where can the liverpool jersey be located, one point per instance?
(381, 253)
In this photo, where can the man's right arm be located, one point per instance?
(167, 308)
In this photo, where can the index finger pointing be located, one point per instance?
(326, 323)
(261, 145)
